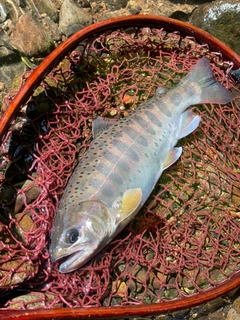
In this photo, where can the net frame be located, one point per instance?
(36, 77)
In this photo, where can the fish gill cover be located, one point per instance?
(184, 241)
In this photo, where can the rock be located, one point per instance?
(109, 5)
(120, 288)
(221, 19)
(111, 14)
(6, 240)
(168, 8)
(29, 192)
(52, 29)
(15, 268)
(134, 7)
(73, 18)
(25, 224)
(34, 300)
(11, 65)
(139, 277)
(30, 38)
(15, 271)
(236, 304)
(44, 7)
(110, 9)
(2, 93)
(232, 315)
(236, 193)
(10, 10)
(4, 12)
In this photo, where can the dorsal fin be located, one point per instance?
(100, 125)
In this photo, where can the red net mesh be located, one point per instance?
(186, 238)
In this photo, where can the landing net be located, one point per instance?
(183, 242)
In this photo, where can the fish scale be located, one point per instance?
(122, 165)
(121, 157)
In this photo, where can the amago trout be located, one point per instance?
(122, 165)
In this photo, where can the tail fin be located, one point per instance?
(212, 91)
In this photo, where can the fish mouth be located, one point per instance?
(76, 259)
(72, 262)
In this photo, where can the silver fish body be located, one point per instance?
(122, 165)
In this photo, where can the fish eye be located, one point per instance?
(72, 235)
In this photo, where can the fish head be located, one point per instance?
(80, 230)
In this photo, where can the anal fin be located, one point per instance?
(188, 123)
(172, 157)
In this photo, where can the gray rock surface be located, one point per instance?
(11, 66)
(221, 19)
(73, 18)
(29, 37)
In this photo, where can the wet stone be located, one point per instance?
(5, 239)
(10, 10)
(25, 224)
(30, 38)
(52, 28)
(232, 315)
(121, 289)
(221, 19)
(44, 7)
(29, 192)
(139, 278)
(236, 194)
(34, 300)
(15, 271)
(111, 5)
(236, 305)
(11, 66)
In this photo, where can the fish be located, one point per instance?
(122, 165)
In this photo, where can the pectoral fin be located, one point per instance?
(128, 204)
